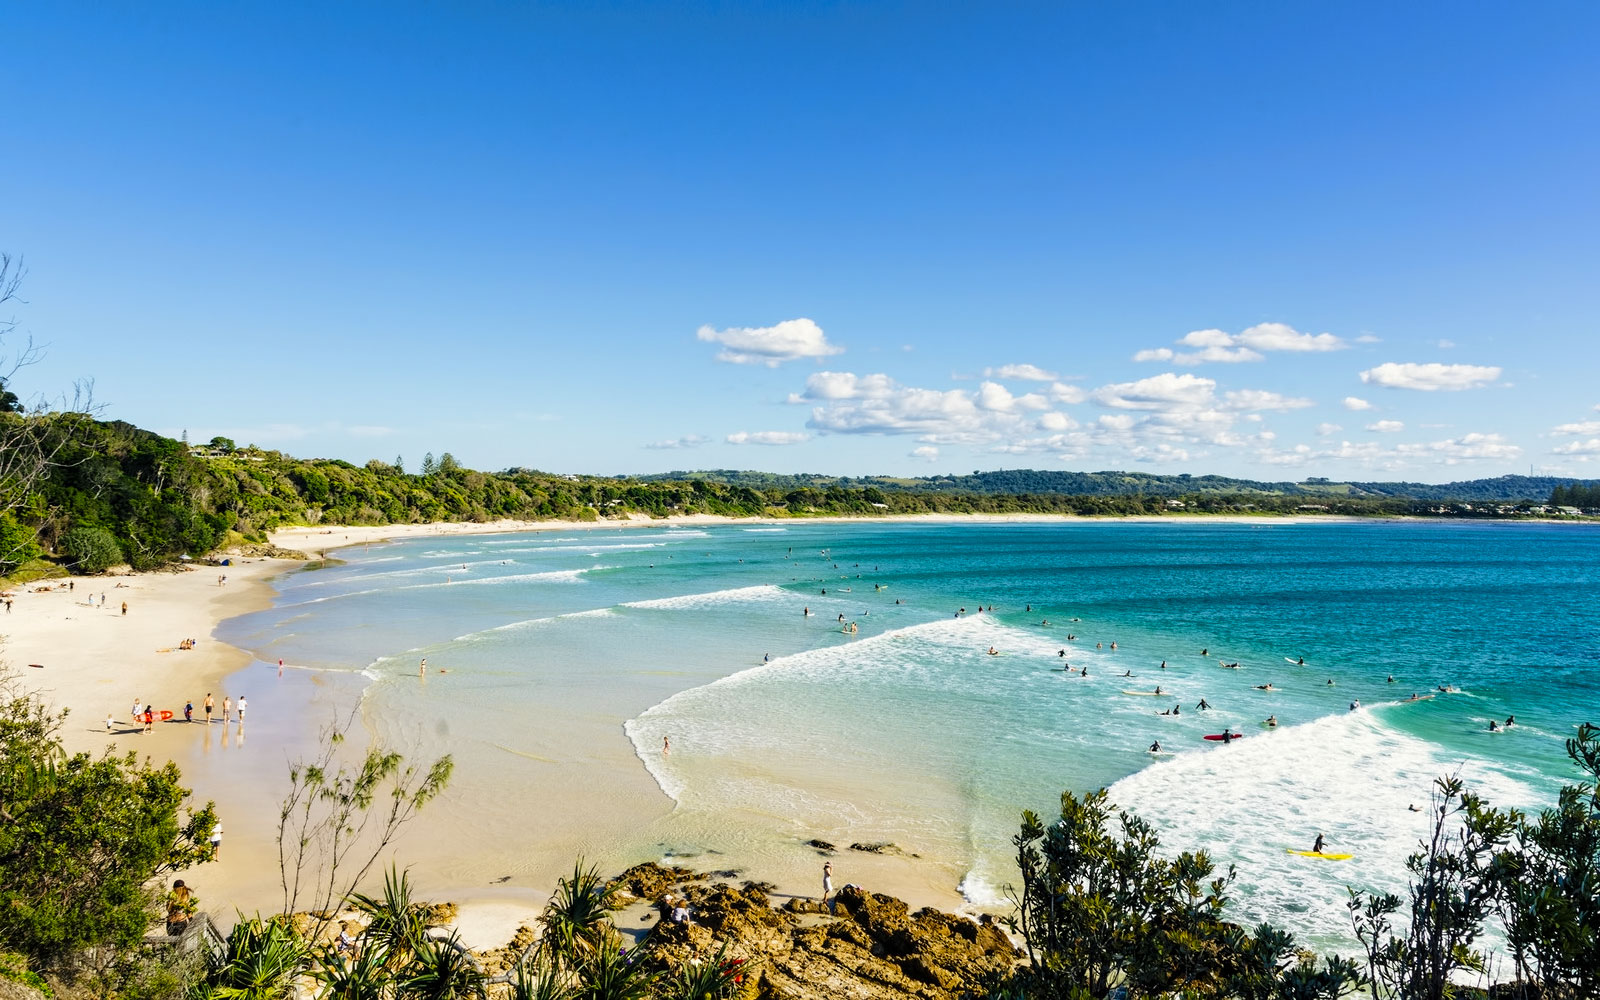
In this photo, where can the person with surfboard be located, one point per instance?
(1316, 848)
(1155, 747)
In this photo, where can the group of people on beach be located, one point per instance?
(145, 715)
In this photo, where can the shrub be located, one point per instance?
(91, 550)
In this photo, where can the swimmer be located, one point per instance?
(767, 658)
(1097, 645)
(1494, 727)
(1272, 722)
(1265, 687)
(1511, 720)
(1330, 682)
(806, 613)
(1113, 644)
(1163, 664)
(1391, 679)
(1355, 704)
(1203, 705)
(666, 745)
(1061, 653)
(1413, 807)
(1045, 622)
(1204, 652)
(993, 651)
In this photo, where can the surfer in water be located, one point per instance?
(1158, 689)
(1511, 720)
(1203, 652)
(1272, 722)
(1127, 673)
(1155, 747)
(1265, 687)
(1316, 848)
(1203, 705)
(1301, 661)
(1163, 664)
(993, 651)
(1330, 682)
(1391, 679)
(1355, 704)
(1494, 727)
(1061, 653)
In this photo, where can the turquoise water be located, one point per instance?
(572, 654)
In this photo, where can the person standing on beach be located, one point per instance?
(188, 711)
(124, 609)
(827, 881)
(208, 706)
(227, 708)
(422, 668)
(242, 707)
(216, 841)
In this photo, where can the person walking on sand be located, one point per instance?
(124, 609)
(242, 707)
(208, 706)
(111, 722)
(149, 719)
(216, 841)
(827, 881)
(188, 711)
(227, 708)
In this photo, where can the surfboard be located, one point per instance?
(165, 716)
(1314, 854)
(1289, 659)
(1149, 694)
(1219, 738)
(1161, 753)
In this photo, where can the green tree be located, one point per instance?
(91, 550)
(1455, 880)
(84, 838)
(1551, 898)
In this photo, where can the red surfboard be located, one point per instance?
(1220, 738)
(165, 716)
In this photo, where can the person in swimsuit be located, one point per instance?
(208, 706)
(1272, 722)
(827, 881)
(1316, 848)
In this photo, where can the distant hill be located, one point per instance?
(1501, 489)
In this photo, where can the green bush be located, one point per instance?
(91, 550)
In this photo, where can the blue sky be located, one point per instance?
(1261, 239)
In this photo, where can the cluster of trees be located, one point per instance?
(114, 493)
(85, 840)
(1103, 910)
(1576, 495)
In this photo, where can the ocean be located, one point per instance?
(559, 661)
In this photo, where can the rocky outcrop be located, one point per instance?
(869, 947)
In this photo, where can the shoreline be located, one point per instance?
(96, 659)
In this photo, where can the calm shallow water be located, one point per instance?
(571, 655)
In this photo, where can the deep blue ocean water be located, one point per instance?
(572, 654)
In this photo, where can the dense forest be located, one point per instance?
(110, 493)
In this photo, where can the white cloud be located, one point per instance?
(1025, 373)
(1060, 392)
(1158, 392)
(1261, 399)
(770, 345)
(1444, 344)
(1387, 427)
(1430, 377)
(1468, 447)
(768, 437)
(1056, 421)
(1219, 346)
(1582, 427)
(1356, 403)
(1585, 448)
(996, 397)
(927, 453)
(1283, 337)
(1367, 338)
(687, 441)
(1324, 429)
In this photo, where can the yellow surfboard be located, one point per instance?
(1314, 854)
